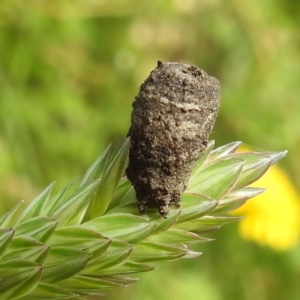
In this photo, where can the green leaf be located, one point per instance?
(151, 251)
(37, 206)
(40, 228)
(6, 218)
(18, 278)
(129, 196)
(73, 210)
(244, 193)
(121, 279)
(216, 178)
(224, 151)
(235, 199)
(80, 238)
(128, 267)
(195, 206)
(46, 291)
(276, 156)
(62, 263)
(206, 224)
(162, 224)
(58, 201)
(151, 215)
(26, 248)
(218, 220)
(124, 193)
(116, 254)
(199, 163)
(86, 285)
(255, 166)
(127, 208)
(97, 169)
(191, 254)
(110, 180)
(177, 237)
(6, 236)
(127, 227)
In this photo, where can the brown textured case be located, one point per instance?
(173, 115)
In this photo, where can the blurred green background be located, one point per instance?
(69, 71)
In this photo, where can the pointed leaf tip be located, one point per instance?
(37, 206)
(112, 174)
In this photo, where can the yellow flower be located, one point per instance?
(272, 218)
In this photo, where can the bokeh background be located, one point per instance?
(69, 71)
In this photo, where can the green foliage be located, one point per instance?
(69, 71)
(76, 243)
